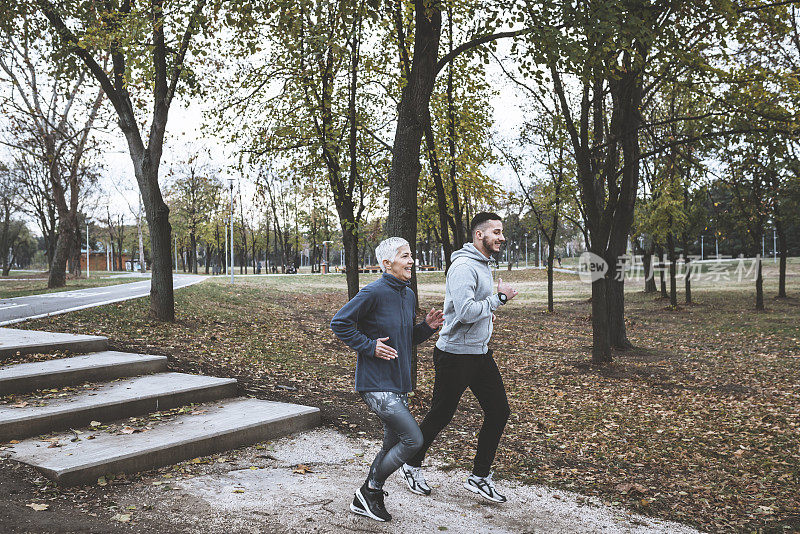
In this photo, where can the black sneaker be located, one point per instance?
(356, 507)
(484, 487)
(369, 502)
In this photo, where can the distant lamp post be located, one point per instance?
(774, 246)
(87, 248)
(526, 250)
(230, 181)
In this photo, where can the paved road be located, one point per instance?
(17, 309)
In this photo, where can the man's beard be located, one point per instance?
(487, 245)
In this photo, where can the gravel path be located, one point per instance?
(262, 493)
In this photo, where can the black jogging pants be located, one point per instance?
(454, 374)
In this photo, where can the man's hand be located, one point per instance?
(383, 351)
(505, 287)
(435, 318)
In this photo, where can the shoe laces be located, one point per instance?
(486, 480)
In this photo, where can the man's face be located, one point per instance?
(401, 266)
(491, 236)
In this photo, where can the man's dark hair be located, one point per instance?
(481, 218)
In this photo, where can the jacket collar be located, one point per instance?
(394, 282)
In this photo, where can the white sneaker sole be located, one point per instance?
(476, 491)
(365, 511)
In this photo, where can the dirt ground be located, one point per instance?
(298, 484)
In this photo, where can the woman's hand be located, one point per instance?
(435, 318)
(383, 351)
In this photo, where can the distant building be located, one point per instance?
(103, 261)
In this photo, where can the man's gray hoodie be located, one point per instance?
(468, 303)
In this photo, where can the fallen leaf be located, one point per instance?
(302, 469)
(20, 404)
(38, 507)
(122, 518)
(128, 430)
(628, 487)
(102, 481)
(95, 423)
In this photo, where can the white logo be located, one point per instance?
(591, 267)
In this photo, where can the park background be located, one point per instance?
(300, 133)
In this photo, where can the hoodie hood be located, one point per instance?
(469, 251)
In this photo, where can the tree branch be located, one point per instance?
(474, 43)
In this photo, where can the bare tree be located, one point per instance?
(43, 111)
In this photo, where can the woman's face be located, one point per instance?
(401, 265)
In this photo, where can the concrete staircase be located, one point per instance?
(121, 386)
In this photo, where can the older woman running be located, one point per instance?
(378, 323)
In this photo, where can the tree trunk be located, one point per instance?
(601, 348)
(687, 261)
(441, 198)
(58, 270)
(550, 254)
(142, 262)
(784, 251)
(162, 299)
(629, 100)
(649, 279)
(616, 307)
(660, 257)
(74, 260)
(759, 285)
(673, 295)
(411, 120)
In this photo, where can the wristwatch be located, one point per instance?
(502, 296)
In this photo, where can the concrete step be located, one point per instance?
(94, 367)
(116, 400)
(224, 425)
(14, 341)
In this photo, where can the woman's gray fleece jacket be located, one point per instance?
(469, 301)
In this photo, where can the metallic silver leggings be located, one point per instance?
(402, 437)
